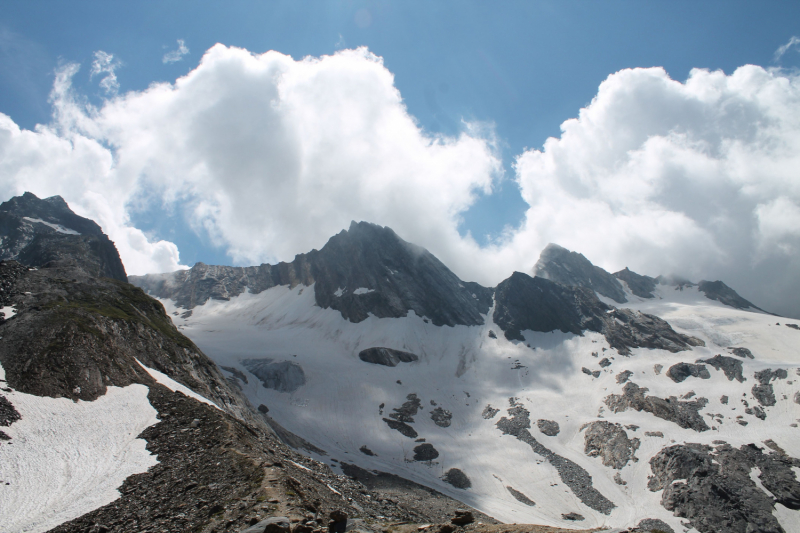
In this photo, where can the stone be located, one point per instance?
(574, 517)
(457, 478)
(680, 371)
(610, 442)
(683, 413)
(386, 356)
(548, 427)
(462, 518)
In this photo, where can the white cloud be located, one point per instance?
(794, 41)
(272, 156)
(105, 65)
(173, 56)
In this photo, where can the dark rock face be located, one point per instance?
(386, 356)
(604, 362)
(730, 366)
(641, 286)
(425, 452)
(574, 517)
(8, 415)
(397, 276)
(575, 477)
(610, 442)
(716, 290)
(489, 412)
(712, 487)
(462, 518)
(763, 391)
(548, 427)
(683, 413)
(595, 373)
(441, 417)
(744, 353)
(573, 269)
(793, 326)
(457, 478)
(366, 451)
(403, 415)
(680, 371)
(622, 377)
(654, 525)
(537, 304)
(282, 376)
(520, 497)
(46, 232)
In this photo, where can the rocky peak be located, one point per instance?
(716, 290)
(573, 269)
(47, 232)
(641, 286)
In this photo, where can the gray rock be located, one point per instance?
(399, 419)
(574, 517)
(462, 518)
(489, 412)
(654, 434)
(622, 377)
(680, 371)
(723, 399)
(744, 353)
(654, 525)
(793, 326)
(548, 427)
(683, 413)
(282, 376)
(425, 452)
(457, 478)
(366, 451)
(797, 397)
(575, 477)
(8, 413)
(730, 366)
(610, 442)
(716, 290)
(520, 497)
(275, 524)
(763, 391)
(441, 417)
(386, 356)
(641, 286)
(604, 362)
(573, 269)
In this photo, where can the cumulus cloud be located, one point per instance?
(271, 156)
(105, 66)
(173, 56)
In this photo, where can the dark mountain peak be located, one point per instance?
(641, 286)
(558, 264)
(717, 290)
(47, 233)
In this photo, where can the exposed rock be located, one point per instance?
(756, 411)
(653, 434)
(793, 326)
(263, 409)
(730, 366)
(401, 276)
(441, 417)
(763, 391)
(489, 412)
(744, 353)
(657, 369)
(716, 290)
(8, 414)
(275, 524)
(386, 356)
(654, 525)
(683, 413)
(462, 518)
(282, 376)
(713, 489)
(492, 334)
(618, 479)
(402, 427)
(641, 286)
(609, 442)
(622, 377)
(575, 477)
(366, 451)
(575, 517)
(723, 399)
(604, 362)
(457, 478)
(797, 397)
(595, 373)
(425, 452)
(680, 371)
(399, 419)
(548, 427)
(236, 372)
(520, 497)
(573, 269)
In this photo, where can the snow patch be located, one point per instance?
(8, 311)
(58, 227)
(67, 458)
(174, 386)
(363, 290)
(339, 292)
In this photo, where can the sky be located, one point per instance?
(661, 136)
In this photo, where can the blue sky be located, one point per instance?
(520, 69)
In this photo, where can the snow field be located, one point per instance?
(462, 369)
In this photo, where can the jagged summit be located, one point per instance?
(641, 286)
(39, 232)
(573, 269)
(364, 269)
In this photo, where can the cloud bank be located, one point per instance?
(271, 156)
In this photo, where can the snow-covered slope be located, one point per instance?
(315, 385)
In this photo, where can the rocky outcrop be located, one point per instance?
(610, 442)
(680, 371)
(716, 290)
(641, 286)
(573, 269)
(538, 304)
(366, 269)
(730, 366)
(457, 478)
(575, 477)
(40, 233)
(713, 488)
(520, 497)
(548, 427)
(441, 417)
(403, 415)
(744, 353)
(282, 376)
(425, 452)
(763, 390)
(683, 413)
(386, 356)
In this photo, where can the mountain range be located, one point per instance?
(366, 375)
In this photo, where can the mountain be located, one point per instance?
(571, 398)
(47, 233)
